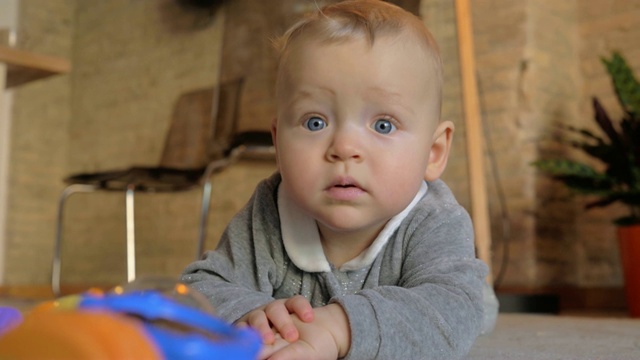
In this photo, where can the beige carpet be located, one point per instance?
(532, 337)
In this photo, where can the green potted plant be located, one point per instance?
(618, 149)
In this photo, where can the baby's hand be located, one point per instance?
(326, 338)
(275, 318)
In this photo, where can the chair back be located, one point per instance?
(225, 125)
(202, 126)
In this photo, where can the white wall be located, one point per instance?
(8, 26)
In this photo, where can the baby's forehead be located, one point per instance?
(385, 72)
(412, 44)
(319, 38)
(404, 46)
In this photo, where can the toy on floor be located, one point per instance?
(9, 318)
(147, 319)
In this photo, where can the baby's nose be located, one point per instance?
(345, 145)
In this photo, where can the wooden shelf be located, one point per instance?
(24, 66)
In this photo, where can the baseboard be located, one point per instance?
(44, 292)
(529, 303)
(564, 300)
(596, 299)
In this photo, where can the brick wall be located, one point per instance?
(603, 26)
(439, 15)
(538, 64)
(131, 76)
(38, 147)
(553, 86)
(131, 62)
(537, 61)
(501, 33)
(562, 243)
(128, 78)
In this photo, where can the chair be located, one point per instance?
(202, 140)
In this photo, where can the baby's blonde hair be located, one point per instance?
(351, 19)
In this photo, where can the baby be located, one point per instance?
(354, 249)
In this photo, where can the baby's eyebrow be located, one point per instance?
(380, 91)
(389, 97)
(304, 93)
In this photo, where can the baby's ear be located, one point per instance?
(440, 148)
(274, 131)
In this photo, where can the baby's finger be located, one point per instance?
(268, 350)
(282, 323)
(300, 306)
(294, 351)
(260, 323)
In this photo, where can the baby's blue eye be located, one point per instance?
(315, 123)
(383, 126)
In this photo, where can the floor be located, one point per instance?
(24, 298)
(527, 336)
(540, 336)
(520, 336)
(21, 304)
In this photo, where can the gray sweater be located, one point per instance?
(420, 297)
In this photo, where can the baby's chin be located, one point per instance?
(349, 224)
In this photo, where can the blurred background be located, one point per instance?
(538, 64)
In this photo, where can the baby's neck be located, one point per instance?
(340, 247)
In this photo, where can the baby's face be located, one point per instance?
(354, 129)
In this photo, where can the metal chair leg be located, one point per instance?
(212, 168)
(55, 268)
(204, 215)
(131, 234)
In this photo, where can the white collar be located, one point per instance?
(302, 240)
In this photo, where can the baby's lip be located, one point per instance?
(345, 189)
(345, 182)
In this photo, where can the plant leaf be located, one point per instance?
(585, 133)
(564, 167)
(626, 86)
(577, 176)
(618, 149)
(603, 120)
(631, 198)
(631, 130)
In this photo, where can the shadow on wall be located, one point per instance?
(182, 16)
